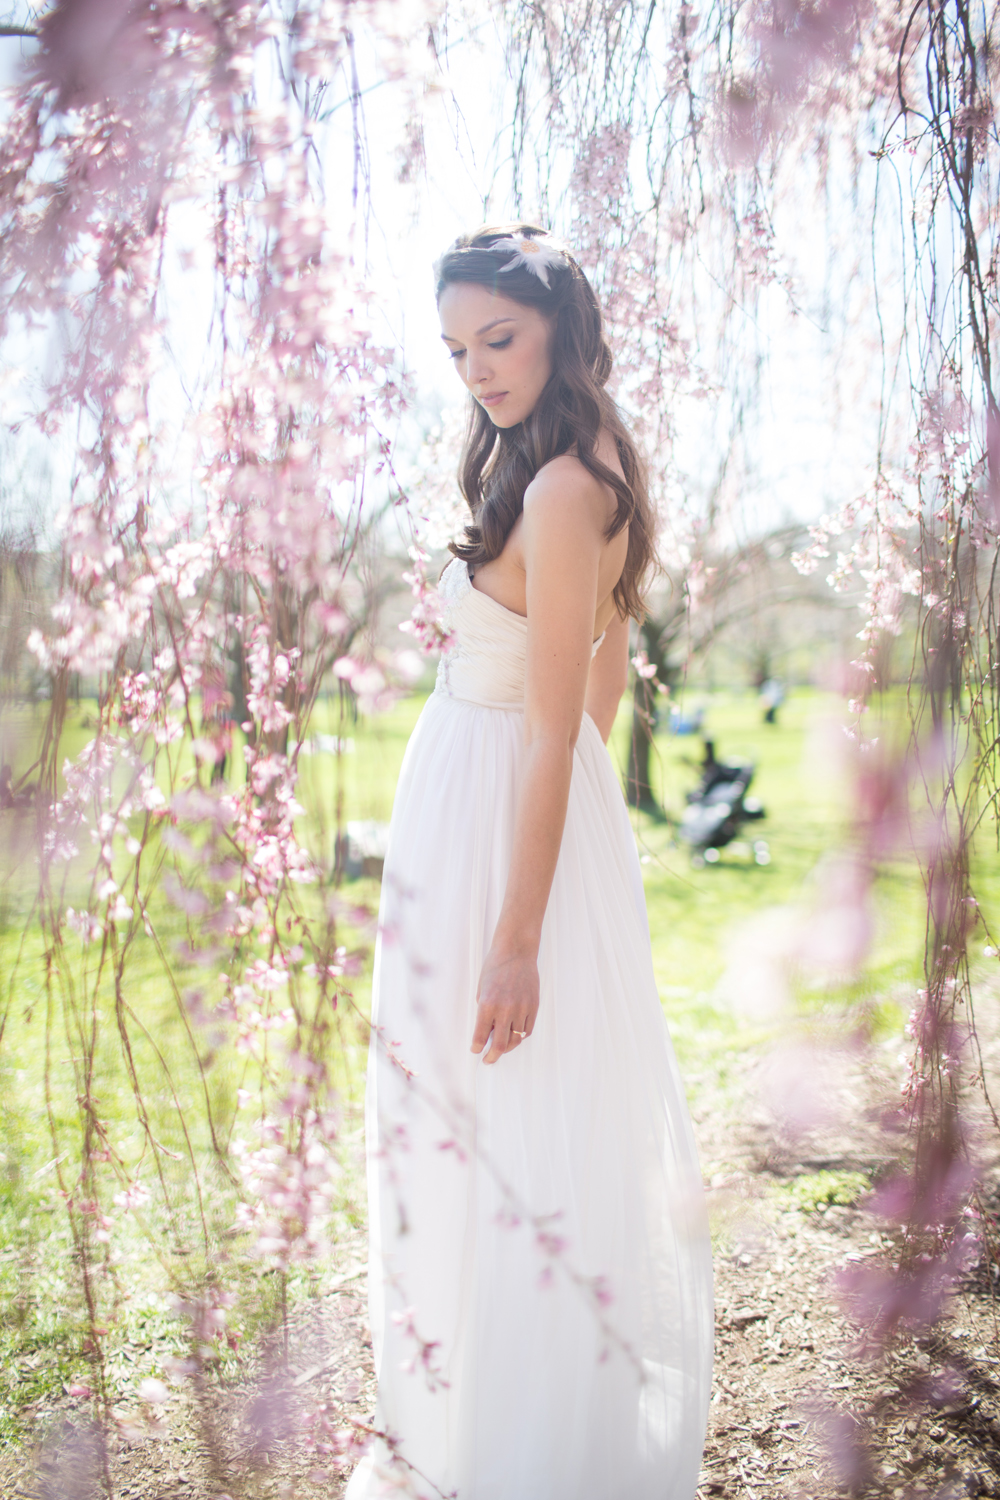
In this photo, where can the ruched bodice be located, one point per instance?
(485, 664)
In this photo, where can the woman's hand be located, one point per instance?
(507, 1003)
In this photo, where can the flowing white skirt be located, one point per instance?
(540, 1272)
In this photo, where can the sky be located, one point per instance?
(811, 436)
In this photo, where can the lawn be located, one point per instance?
(701, 921)
(697, 916)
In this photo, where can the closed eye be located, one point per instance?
(503, 342)
(455, 353)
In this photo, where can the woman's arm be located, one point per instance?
(565, 514)
(608, 677)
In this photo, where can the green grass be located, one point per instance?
(812, 1191)
(699, 919)
(154, 1252)
(703, 920)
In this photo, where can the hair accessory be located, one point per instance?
(535, 255)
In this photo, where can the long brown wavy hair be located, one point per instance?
(498, 464)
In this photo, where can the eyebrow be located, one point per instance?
(479, 331)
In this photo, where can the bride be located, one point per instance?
(540, 1271)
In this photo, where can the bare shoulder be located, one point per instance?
(564, 489)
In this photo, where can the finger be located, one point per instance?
(517, 1035)
(496, 1051)
(501, 1041)
(481, 1034)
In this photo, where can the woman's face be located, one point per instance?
(502, 350)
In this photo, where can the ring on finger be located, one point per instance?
(514, 1032)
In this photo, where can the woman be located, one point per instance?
(540, 1273)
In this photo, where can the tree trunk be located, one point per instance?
(638, 789)
(653, 639)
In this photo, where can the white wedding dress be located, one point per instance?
(540, 1278)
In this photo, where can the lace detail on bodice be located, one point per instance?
(485, 665)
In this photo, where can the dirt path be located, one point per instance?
(799, 1409)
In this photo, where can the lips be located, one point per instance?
(492, 398)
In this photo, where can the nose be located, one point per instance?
(479, 371)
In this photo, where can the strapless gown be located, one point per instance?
(540, 1278)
